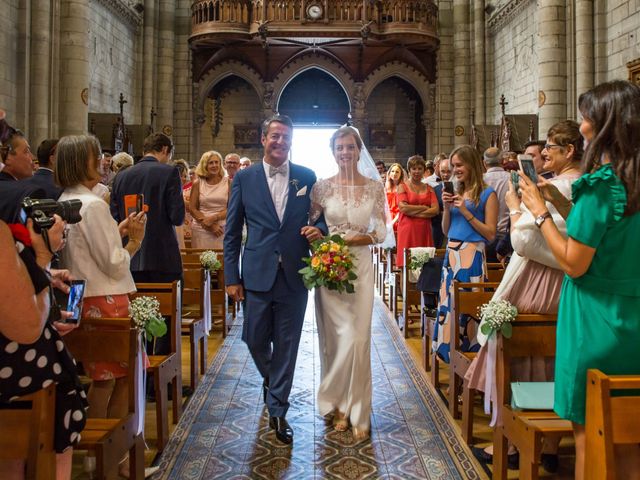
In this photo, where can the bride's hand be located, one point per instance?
(312, 233)
(349, 236)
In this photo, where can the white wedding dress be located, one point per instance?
(344, 319)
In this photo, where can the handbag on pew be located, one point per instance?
(429, 279)
(532, 395)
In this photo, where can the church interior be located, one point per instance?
(415, 77)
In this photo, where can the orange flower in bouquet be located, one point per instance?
(330, 265)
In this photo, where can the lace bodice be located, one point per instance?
(359, 208)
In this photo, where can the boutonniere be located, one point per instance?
(299, 191)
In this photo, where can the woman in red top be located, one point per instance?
(417, 203)
(395, 178)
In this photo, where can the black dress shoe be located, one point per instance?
(549, 462)
(265, 389)
(284, 432)
(513, 460)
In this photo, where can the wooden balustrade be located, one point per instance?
(377, 18)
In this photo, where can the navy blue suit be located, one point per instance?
(158, 259)
(12, 192)
(43, 179)
(275, 296)
(436, 222)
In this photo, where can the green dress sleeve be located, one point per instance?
(599, 201)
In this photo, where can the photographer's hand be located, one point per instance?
(63, 328)
(136, 231)
(56, 241)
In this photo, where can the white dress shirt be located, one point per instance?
(279, 188)
(94, 250)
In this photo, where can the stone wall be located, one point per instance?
(443, 121)
(183, 118)
(241, 107)
(389, 106)
(514, 65)
(113, 63)
(8, 57)
(622, 19)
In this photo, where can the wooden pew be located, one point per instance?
(111, 438)
(533, 335)
(466, 299)
(411, 296)
(611, 421)
(166, 368)
(27, 433)
(195, 295)
(495, 272)
(221, 309)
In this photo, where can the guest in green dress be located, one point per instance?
(599, 311)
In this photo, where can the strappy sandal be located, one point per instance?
(340, 422)
(359, 435)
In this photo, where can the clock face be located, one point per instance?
(314, 11)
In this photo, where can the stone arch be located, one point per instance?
(306, 62)
(398, 69)
(221, 71)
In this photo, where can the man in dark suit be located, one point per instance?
(158, 259)
(16, 155)
(43, 178)
(273, 199)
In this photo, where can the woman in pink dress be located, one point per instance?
(417, 203)
(208, 202)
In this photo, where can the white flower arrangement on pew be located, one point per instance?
(145, 312)
(417, 259)
(209, 260)
(496, 316)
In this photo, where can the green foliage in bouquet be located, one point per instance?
(145, 312)
(497, 316)
(330, 265)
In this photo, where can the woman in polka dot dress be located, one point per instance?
(32, 353)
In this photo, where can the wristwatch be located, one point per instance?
(540, 219)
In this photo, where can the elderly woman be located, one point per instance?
(208, 202)
(417, 203)
(95, 253)
(533, 278)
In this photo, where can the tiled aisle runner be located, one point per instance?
(224, 431)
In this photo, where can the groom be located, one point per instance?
(272, 198)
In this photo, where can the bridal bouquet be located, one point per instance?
(209, 260)
(496, 316)
(330, 265)
(145, 312)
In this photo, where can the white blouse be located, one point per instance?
(94, 250)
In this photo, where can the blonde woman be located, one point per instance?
(395, 177)
(208, 202)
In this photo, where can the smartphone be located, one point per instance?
(134, 203)
(74, 300)
(447, 187)
(515, 179)
(527, 166)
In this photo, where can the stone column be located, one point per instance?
(479, 61)
(74, 67)
(552, 63)
(462, 85)
(165, 67)
(40, 92)
(584, 46)
(149, 56)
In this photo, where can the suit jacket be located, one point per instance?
(268, 240)
(12, 192)
(160, 185)
(43, 179)
(436, 222)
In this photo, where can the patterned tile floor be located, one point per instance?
(224, 432)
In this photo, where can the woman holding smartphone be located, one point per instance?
(469, 220)
(598, 321)
(417, 203)
(94, 252)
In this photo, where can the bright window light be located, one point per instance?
(310, 148)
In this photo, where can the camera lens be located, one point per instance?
(69, 210)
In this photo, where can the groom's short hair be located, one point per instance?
(285, 120)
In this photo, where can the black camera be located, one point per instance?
(41, 211)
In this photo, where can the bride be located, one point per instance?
(354, 207)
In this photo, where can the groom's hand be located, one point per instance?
(236, 292)
(312, 233)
